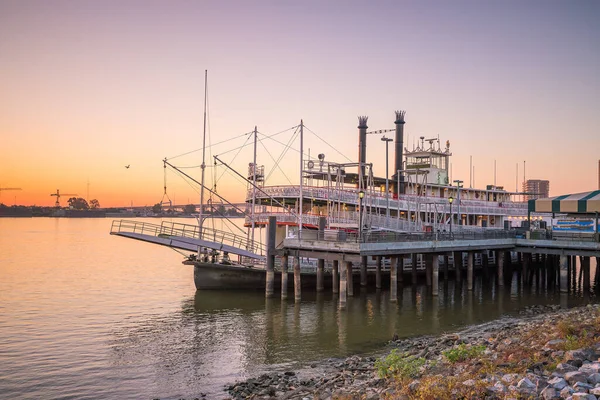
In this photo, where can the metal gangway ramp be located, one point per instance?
(187, 237)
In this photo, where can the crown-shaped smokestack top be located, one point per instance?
(362, 122)
(400, 117)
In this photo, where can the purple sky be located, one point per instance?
(87, 87)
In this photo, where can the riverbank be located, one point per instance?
(546, 352)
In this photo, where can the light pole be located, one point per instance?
(387, 183)
(458, 186)
(361, 194)
(450, 200)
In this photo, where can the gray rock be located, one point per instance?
(595, 391)
(549, 393)
(557, 383)
(582, 387)
(567, 391)
(525, 383)
(583, 396)
(509, 378)
(575, 376)
(590, 368)
(594, 378)
(563, 368)
(469, 382)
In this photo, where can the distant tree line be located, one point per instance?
(79, 203)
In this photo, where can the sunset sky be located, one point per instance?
(87, 87)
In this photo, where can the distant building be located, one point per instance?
(536, 189)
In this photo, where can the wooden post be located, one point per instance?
(525, 269)
(378, 273)
(350, 278)
(297, 283)
(435, 266)
(336, 276)
(393, 278)
(284, 276)
(363, 271)
(470, 270)
(270, 275)
(564, 274)
(500, 261)
(344, 284)
(585, 265)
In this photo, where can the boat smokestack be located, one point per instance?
(362, 144)
(399, 152)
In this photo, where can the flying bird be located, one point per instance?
(127, 166)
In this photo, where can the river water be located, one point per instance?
(87, 315)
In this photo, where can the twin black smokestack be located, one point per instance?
(399, 146)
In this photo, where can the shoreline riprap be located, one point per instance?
(546, 353)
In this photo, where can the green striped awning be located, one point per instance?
(578, 203)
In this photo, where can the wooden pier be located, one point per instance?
(543, 262)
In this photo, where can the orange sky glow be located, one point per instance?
(87, 88)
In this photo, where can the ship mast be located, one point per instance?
(301, 167)
(254, 185)
(203, 165)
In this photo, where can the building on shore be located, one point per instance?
(536, 189)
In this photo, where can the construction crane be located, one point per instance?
(57, 194)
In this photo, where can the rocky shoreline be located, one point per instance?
(546, 353)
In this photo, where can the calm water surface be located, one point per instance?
(86, 315)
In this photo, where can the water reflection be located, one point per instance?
(220, 336)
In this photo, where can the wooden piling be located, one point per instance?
(335, 275)
(344, 284)
(500, 256)
(428, 268)
(394, 278)
(284, 276)
(378, 273)
(414, 268)
(470, 270)
(458, 265)
(270, 272)
(446, 262)
(363, 271)
(564, 273)
(320, 275)
(297, 282)
(401, 269)
(350, 279)
(435, 267)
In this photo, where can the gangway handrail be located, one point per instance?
(176, 229)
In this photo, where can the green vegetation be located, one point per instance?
(463, 352)
(399, 365)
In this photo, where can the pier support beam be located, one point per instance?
(284, 277)
(335, 275)
(446, 262)
(270, 275)
(297, 283)
(394, 278)
(500, 257)
(564, 274)
(435, 266)
(344, 283)
(401, 269)
(363, 271)
(378, 273)
(470, 270)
